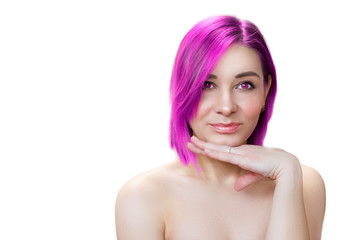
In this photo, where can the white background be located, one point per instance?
(84, 104)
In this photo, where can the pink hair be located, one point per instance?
(197, 55)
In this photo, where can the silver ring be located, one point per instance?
(228, 149)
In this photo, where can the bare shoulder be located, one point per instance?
(149, 182)
(139, 211)
(313, 182)
(314, 199)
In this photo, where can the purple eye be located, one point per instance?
(208, 84)
(246, 85)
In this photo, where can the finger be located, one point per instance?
(194, 148)
(229, 157)
(222, 148)
(246, 180)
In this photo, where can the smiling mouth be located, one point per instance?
(225, 128)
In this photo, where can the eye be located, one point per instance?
(208, 85)
(246, 85)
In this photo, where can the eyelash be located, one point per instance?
(250, 84)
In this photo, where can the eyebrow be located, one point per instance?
(240, 75)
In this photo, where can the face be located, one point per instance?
(232, 98)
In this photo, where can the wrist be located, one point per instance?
(291, 173)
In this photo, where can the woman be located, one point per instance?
(226, 184)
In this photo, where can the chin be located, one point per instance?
(229, 140)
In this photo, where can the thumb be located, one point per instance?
(246, 180)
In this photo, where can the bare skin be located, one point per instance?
(178, 205)
(250, 192)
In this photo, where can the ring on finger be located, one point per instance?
(228, 149)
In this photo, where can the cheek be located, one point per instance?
(203, 109)
(251, 108)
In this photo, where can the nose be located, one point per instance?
(226, 104)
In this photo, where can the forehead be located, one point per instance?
(237, 59)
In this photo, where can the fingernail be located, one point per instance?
(194, 138)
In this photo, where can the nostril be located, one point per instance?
(227, 109)
(226, 104)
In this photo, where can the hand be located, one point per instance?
(262, 162)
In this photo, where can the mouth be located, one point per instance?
(226, 128)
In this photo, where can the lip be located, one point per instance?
(225, 128)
